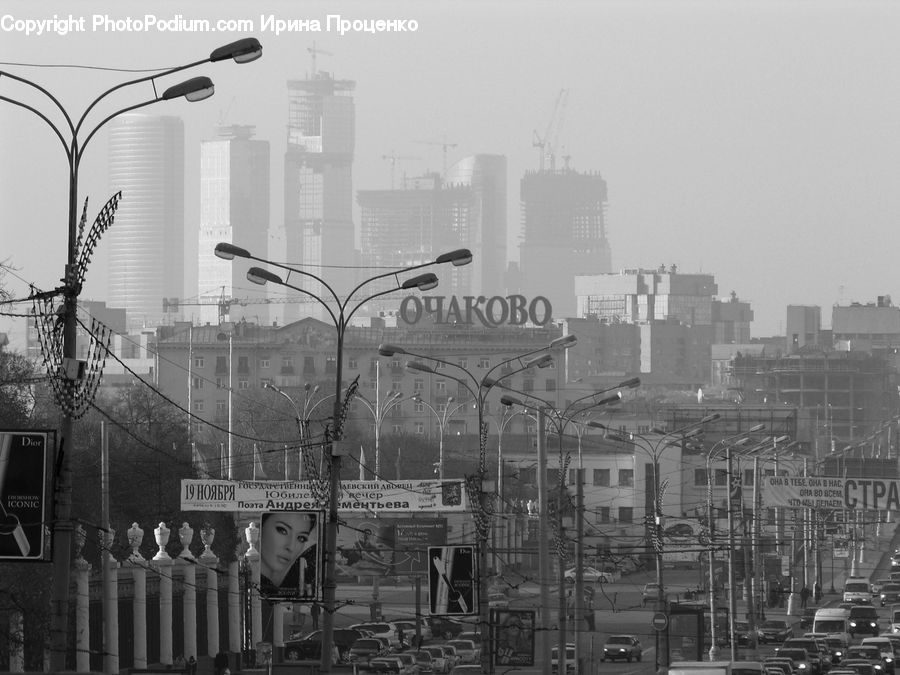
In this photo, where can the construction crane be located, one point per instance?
(392, 158)
(314, 51)
(547, 142)
(224, 303)
(444, 146)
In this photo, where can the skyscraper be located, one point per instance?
(234, 208)
(399, 228)
(146, 242)
(563, 234)
(318, 187)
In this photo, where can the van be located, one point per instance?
(858, 589)
(716, 668)
(833, 622)
(895, 620)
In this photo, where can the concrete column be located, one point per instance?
(278, 627)
(210, 563)
(234, 607)
(110, 607)
(16, 635)
(82, 605)
(188, 565)
(252, 556)
(163, 564)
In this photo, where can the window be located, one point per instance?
(396, 386)
(464, 363)
(395, 364)
(441, 386)
(603, 514)
(309, 365)
(264, 363)
(573, 476)
(353, 364)
(550, 385)
(221, 364)
(196, 382)
(601, 478)
(265, 382)
(461, 392)
(397, 410)
(441, 408)
(418, 384)
(243, 364)
(528, 384)
(221, 383)
(419, 406)
(699, 477)
(221, 408)
(748, 477)
(626, 514)
(287, 366)
(438, 365)
(528, 476)
(243, 383)
(330, 364)
(198, 362)
(721, 477)
(420, 428)
(484, 363)
(396, 429)
(198, 406)
(626, 478)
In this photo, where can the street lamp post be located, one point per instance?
(561, 419)
(442, 417)
(301, 415)
(340, 316)
(479, 388)
(653, 449)
(75, 139)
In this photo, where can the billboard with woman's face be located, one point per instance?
(291, 544)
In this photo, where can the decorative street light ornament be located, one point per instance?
(514, 310)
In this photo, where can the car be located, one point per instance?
(498, 601)
(385, 629)
(466, 670)
(445, 627)
(472, 635)
(864, 619)
(390, 665)
(342, 639)
(879, 583)
(785, 665)
(624, 647)
(862, 666)
(409, 628)
(811, 645)
(890, 593)
(895, 560)
(887, 651)
(439, 662)
(589, 574)
(308, 650)
(799, 658)
(650, 593)
(424, 660)
(410, 663)
(364, 649)
(570, 659)
(775, 630)
(466, 649)
(452, 657)
(838, 647)
(742, 628)
(808, 617)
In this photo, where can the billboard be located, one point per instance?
(387, 546)
(513, 637)
(372, 496)
(820, 492)
(25, 509)
(452, 580)
(291, 548)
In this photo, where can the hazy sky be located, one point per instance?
(757, 141)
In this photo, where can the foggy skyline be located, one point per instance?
(754, 141)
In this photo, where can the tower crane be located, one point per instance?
(444, 144)
(224, 303)
(547, 142)
(392, 158)
(314, 51)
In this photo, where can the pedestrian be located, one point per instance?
(220, 663)
(191, 666)
(401, 637)
(817, 592)
(314, 611)
(804, 597)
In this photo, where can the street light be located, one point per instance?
(479, 389)
(301, 415)
(69, 387)
(379, 410)
(561, 419)
(340, 316)
(442, 418)
(653, 451)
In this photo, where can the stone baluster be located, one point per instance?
(163, 564)
(138, 566)
(234, 607)
(210, 562)
(252, 556)
(110, 605)
(188, 564)
(82, 605)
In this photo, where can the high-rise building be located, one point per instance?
(399, 228)
(234, 208)
(146, 243)
(318, 187)
(563, 234)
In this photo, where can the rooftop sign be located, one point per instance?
(514, 310)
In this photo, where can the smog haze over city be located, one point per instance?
(755, 141)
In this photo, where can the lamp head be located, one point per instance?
(755, 428)
(242, 51)
(510, 400)
(564, 341)
(194, 89)
(227, 251)
(418, 365)
(615, 398)
(423, 282)
(389, 350)
(260, 276)
(710, 418)
(632, 383)
(597, 425)
(540, 361)
(459, 257)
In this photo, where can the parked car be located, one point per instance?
(589, 574)
(466, 670)
(365, 649)
(775, 630)
(343, 639)
(424, 660)
(385, 629)
(387, 665)
(410, 663)
(570, 659)
(650, 593)
(784, 664)
(742, 628)
(624, 647)
(452, 657)
(439, 662)
(409, 629)
(466, 649)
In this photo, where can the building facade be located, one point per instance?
(146, 244)
(234, 208)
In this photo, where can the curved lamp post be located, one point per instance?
(70, 136)
(560, 420)
(379, 410)
(443, 417)
(301, 415)
(654, 448)
(479, 388)
(341, 314)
